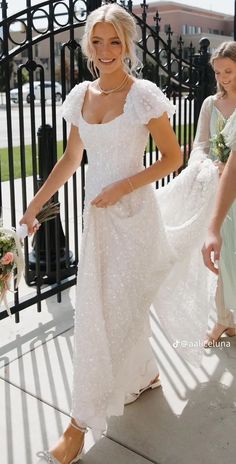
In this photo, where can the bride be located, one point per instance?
(129, 258)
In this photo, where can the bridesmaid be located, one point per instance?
(217, 111)
(225, 197)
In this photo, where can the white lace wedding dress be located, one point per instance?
(135, 253)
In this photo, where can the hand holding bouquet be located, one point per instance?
(219, 147)
(48, 212)
(11, 256)
(225, 140)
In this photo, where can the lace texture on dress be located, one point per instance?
(143, 249)
(150, 102)
(71, 107)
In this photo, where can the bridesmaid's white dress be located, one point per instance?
(140, 251)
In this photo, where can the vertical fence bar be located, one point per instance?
(31, 66)
(193, 77)
(157, 20)
(9, 130)
(144, 7)
(54, 126)
(64, 136)
(72, 83)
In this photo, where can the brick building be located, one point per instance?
(192, 23)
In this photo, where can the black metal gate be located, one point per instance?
(40, 56)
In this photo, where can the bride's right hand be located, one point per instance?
(29, 219)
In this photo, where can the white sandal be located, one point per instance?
(52, 460)
(132, 397)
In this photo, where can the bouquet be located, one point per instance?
(11, 256)
(219, 147)
(225, 140)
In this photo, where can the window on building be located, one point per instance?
(192, 30)
(216, 31)
(166, 27)
(188, 29)
(58, 48)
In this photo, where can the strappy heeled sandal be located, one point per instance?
(52, 460)
(212, 341)
(132, 397)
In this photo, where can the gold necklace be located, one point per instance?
(120, 86)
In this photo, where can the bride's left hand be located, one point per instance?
(111, 194)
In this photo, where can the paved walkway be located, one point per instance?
(191, 419)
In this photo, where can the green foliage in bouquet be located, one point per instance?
(219, 147)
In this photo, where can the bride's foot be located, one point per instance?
(131, 397)
(69, 448)
(218, 330)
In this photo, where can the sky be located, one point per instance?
(224, 6)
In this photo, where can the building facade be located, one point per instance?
(191, 23)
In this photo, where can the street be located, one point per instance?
(27, 122)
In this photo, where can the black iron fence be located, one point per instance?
(40, 56)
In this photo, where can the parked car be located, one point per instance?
(27, 96)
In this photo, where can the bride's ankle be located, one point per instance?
(78, 426)
(75, 428)
(218, 327)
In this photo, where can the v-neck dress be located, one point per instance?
(228, 231)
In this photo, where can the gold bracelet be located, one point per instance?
(130, 184)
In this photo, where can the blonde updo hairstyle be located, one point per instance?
(125, 28)
(225, 50)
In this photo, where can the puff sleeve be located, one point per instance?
(202, 137)
(71, 107)
(150, 102)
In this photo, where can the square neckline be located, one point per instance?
(114, 119)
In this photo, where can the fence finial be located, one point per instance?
(157, 20)
(4, 6)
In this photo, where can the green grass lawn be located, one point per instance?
(17, 163)
(28, 157)
(181, 135)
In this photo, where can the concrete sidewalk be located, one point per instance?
(191, 419)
